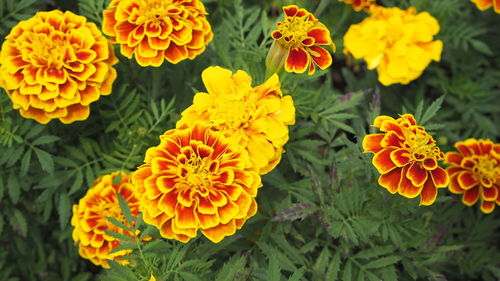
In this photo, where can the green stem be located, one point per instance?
(321, 7)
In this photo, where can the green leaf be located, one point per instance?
(125, 209)
(119, 224)
(45, 160)
(383, 262)
(334, 267)
(13, 188)
(231, 268)
(297, 274)
(432, 110)
(274, 269)
(25, 163)
(119, 236)
(45, 140)
(19, 223)
(347, 276)
(63, 209)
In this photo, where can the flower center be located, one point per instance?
(486, 168)
(234, 115)
(157, 10)
(197, 168)
(293, 32)
(48, 50)
(421, 145)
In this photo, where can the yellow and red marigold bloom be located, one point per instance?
(297, 43)
(359, 5)
(486, 4)
(255, 118)
(406, 157)
(475, 172)
(158, 30)
(196, 179)
(398, 43)
(89, 220)
(54, 65)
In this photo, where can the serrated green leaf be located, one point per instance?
(382, 262)
(119, 236)
(63, 209)
(13, 188)
(125, 209)
(432, 110)
(46, 139)
(45, 160)
(119, 224)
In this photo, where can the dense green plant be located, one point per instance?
(322, 215)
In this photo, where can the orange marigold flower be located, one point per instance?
(89, 220)
(54, 65)
(297, 43)
(359, 5)
(486, 4)
(475, 172)
(406, 157)
(256, 118)
(196, 179)
(398, 43)
(154, 30)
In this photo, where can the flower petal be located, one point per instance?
(417, 174)
(297, 61)
(467, 180)
(371, 143)
(429, 193)
(382, 160)
(390, 180)
(471, 196)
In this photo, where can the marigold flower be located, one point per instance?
(297, 43)
(486, 4)
(196, 179)
(406, 157)
(54, 65)
(475, 172)
(89, 220)
(398, 43)
(154, 30)
(256, 118)
(359, 5)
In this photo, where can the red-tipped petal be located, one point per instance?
(467, 180)
(321, 36)
(371, 143)
(406, 187)
(321, 57)
(428, 194)
(440, 177)
(391, 139)
(489, 194)
(417, 174)
(297, 61)
(430, 164)
(454, 187)
(400, 157)
(290, 10)
(382, 161)
(390, 181)
(453, 158)
(471, 196)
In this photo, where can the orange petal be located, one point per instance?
(371, 143)
(321, 36)
(406, 187)
(392, 125)
(487, 207)
(430, 164)
(428, 194)
(174, 54)
(217, 233)
(297, 61)
(185, 217)
(320, 56)
(208, 220)
(391, 139)
(290, 10)
(167, 203)
(382, 160)
(453, 158)
(417, 174)
(400, 157)
(76, 112)
(228, 212)
(390, 181)
(471, 196)
(440, 177)
(380, 119)
(454, 187)
(205, 206)
(466, 180)
(463, 149)
(489, 194)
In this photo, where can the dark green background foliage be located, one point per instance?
(322, 215)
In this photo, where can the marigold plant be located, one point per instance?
(158, 30)
(89, 218)
(196, 179)
(54, 65)
(298, 42)
(486, 4)
(406, 157)
(256, 118)
(398, 43)
(475, 172)
(359, 5)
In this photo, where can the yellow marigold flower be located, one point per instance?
(398, 43)
(256, 118)
(297, 43)
(154, 30)
(475, 172)
(89, 220)
(406, 157)
(196, 179)
(359, 5)
(54, 65)
(486, 4)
